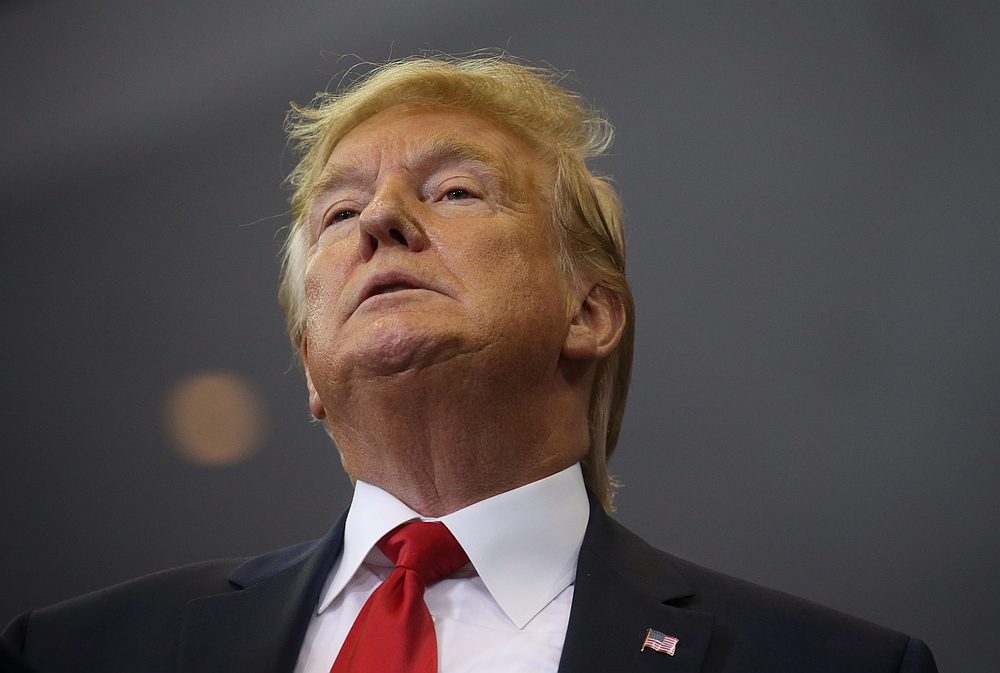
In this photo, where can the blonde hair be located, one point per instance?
(528, 102)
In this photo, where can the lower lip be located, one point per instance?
(392, 297)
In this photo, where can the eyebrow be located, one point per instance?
(442, 149)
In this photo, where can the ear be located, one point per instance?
(596, 327)
(315, 404)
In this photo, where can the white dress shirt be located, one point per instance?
(505, 612)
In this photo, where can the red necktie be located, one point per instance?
(394, 632)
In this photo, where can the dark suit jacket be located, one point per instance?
(251, 616)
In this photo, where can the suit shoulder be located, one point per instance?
(180, 585)
(732, 594)
(753, 618)
(775, 630)
(722, 594)
(150, 606)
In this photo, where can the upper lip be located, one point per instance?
(381, 282)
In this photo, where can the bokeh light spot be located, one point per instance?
(215, 418)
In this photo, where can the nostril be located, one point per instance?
(397, 236)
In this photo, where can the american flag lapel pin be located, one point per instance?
(661, 642)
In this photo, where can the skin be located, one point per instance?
(469, 372)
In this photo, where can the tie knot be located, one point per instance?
(425, 547)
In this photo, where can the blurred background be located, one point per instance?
(814, 229)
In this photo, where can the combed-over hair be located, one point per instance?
(566, 132)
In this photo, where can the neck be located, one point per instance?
(440, 443)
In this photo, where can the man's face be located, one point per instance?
(432, 241)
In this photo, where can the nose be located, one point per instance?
(388, 221)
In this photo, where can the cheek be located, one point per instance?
(315, 292)
(521, 274)
(326, 277)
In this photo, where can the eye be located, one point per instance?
(457, 194)
(340, 216)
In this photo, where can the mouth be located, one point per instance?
(389, 283)
(395, 287)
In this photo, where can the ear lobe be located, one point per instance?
(597, 326)
(315, 404)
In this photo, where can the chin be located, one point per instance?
(393, 346)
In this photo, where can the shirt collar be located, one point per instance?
(524, 543)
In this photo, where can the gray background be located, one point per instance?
(813, 226)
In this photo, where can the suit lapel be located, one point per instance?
(624, 587)
(259, 627)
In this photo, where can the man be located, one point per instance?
(454, 282)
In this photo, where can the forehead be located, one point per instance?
(408, 133)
